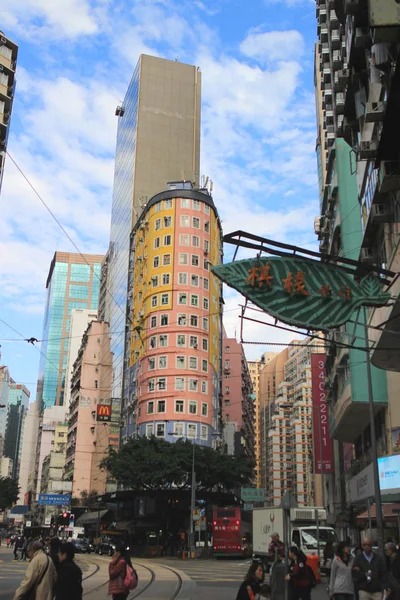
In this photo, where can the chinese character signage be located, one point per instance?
(302, 292)
(103, 412)
(252, 494)
(55, 499)
(322, 441)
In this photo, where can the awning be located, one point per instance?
(389, 512)
(125, 525)
(91, 517)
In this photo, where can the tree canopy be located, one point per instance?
(155, 464)
(9, 492)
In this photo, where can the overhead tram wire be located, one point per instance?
(63, 230)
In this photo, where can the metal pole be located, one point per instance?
(369, 516)
(374, 453)
(317, 523)
(321, 458)
(398, 525)
(286, 514)
(192, 503)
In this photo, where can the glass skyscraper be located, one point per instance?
(158, 141)
(18, 403)
(71, 283)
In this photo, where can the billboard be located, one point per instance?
(104, 412)
(362, 485)
(389, 474)
(322, 441)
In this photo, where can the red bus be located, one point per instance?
(232, 535)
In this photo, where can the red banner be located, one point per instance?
(322, 441)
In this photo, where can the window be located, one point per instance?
(179, 429)
(205, 323)
(151, 385)
(204, 366)
(193, 342)
(206, 246)
(205, 283)
(195, 260)
(153, 342)
(192, 407)
(204, 387)
(96, 383)
(185, 203)
(227, 376)
(203, 432)
(194, 300)
(180, 362)
(206, 303)
(195, 241)
(151, 364)
(181, 340)
(162, 382)
(150, 407)
(185, 221)
(167, 240)
(204, 409)
(193, 385)
(166, 279)
(196, 222)
(182, 278)
(207, 209)
(184, 239)
(79, 272)
(196, 204)
(156, 242)
(156, 262)
(192, 362)
(167, 221)
(163, 341)
(157, 224)
(206, 264)
(164, 320)
(179, 406)
(154, 281)
(179, 383)
(182, 319)
(168, 203)
(227, 364)
(154, 300)
(166, 260)
(207, 226)
(227, 349)
(153, 321)
(79, 291)
(160, 430)
(227, 389)
(164, 299)
(194, 321)
(183, 259)
(162, 362)
(205, 344)
(194, 280)
(149, 430)
(191, 430)
(157, 207)
(161, 406)
(182, 298)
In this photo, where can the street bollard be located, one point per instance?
(277, 580)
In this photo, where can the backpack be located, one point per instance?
(311, 576)
(131, 578)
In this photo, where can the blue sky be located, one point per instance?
(76, 58)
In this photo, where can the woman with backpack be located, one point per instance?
(123, 577)
(341, 586)
(301, 577)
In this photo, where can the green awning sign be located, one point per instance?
(301, 292)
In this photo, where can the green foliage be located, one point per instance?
(158, 465)
(9, 492)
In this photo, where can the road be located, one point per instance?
(159, 579)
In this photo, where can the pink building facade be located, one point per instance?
(172, 384)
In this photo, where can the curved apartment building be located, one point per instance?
(172, 358)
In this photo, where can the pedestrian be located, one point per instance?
(276, 548)
(40, 576)
(117, 572)
(301, 578)
(252, 583)
(19, 543)
(24, 555)
(341, 585)
(369, 573)
(69, 575)
(54, 546)
(393, 567)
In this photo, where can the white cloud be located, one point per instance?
(273, 45)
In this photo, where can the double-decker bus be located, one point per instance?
(232, 532)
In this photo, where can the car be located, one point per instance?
(105, 548)
(81, 546)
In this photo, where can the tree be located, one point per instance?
(9, 492)
(153, 464)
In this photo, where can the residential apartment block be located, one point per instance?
(18, 403)
(8, 65)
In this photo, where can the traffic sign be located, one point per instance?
(252, 494)
(55, 499)
(248, 506)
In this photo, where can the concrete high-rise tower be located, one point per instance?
(8, 64)
(158, 141)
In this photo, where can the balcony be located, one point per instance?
(333, 20)
(335, 39)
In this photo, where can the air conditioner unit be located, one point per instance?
(374, 111)
(317, 225)
(3, 40)
(381, 213)
(362, 37)
(367, 255)
(367, 150)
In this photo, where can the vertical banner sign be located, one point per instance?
(322, 440)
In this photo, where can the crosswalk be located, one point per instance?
(211, 570)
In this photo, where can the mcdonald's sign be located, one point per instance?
(103, 412)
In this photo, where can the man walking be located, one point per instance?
(276, 548)
(369, 573)
(40, 576)
(69, 581)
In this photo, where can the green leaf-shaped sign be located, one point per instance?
(300, 292)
